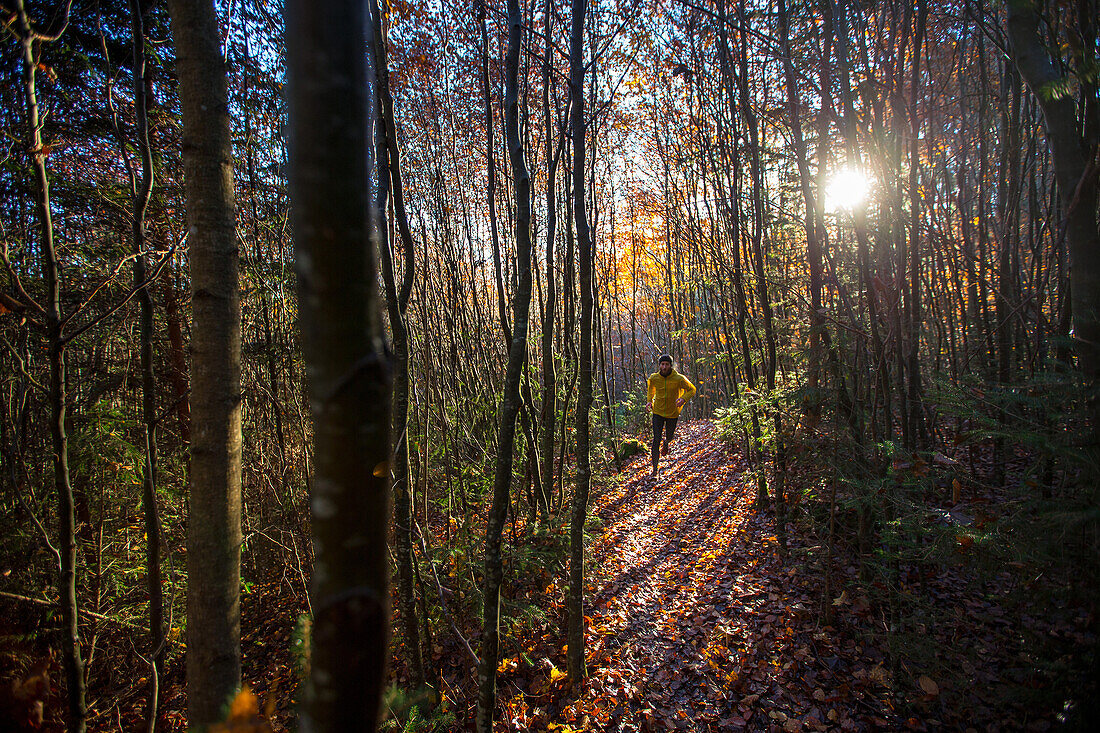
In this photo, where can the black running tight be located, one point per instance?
(661, 424)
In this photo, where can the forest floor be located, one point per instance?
(696, 621)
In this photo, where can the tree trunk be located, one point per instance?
(917, 428)
(389, 163)
(813, 233)
(58, 385)
(177, 354)
(336, 231)
(549, 375)
(734, 236)
(575, 599)
(141, 191)
(214, 518)
(491, 174)
(757, 254)
(510, 406)
(1074, 151)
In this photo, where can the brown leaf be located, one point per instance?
(929, 686)
(880, 675)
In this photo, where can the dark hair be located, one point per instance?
(664, 357)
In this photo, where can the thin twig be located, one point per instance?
(129, 296)
(84, 612)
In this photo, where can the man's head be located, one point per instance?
(664, 363)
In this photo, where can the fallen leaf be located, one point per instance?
(929, 686)
(244, 705)
(880, 675)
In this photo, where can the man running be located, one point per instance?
(668, 391)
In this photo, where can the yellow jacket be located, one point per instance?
(664, 391)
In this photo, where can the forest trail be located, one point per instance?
(696, 623)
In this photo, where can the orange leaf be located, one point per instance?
(245, 705)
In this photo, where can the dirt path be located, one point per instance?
(694, 624)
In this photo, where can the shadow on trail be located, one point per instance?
(646, 613)
(691, 624)
(668, 545)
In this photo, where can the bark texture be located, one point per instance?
(510, 406)
(575, 599)
(336, 231)
(397, 302)
(141, 189)
(58, 384)
(214, 507)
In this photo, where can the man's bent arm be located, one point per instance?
(689, 390)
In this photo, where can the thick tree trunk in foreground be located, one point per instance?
(214, 520)
(517, 353)
(336, 232)
(575, 599)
